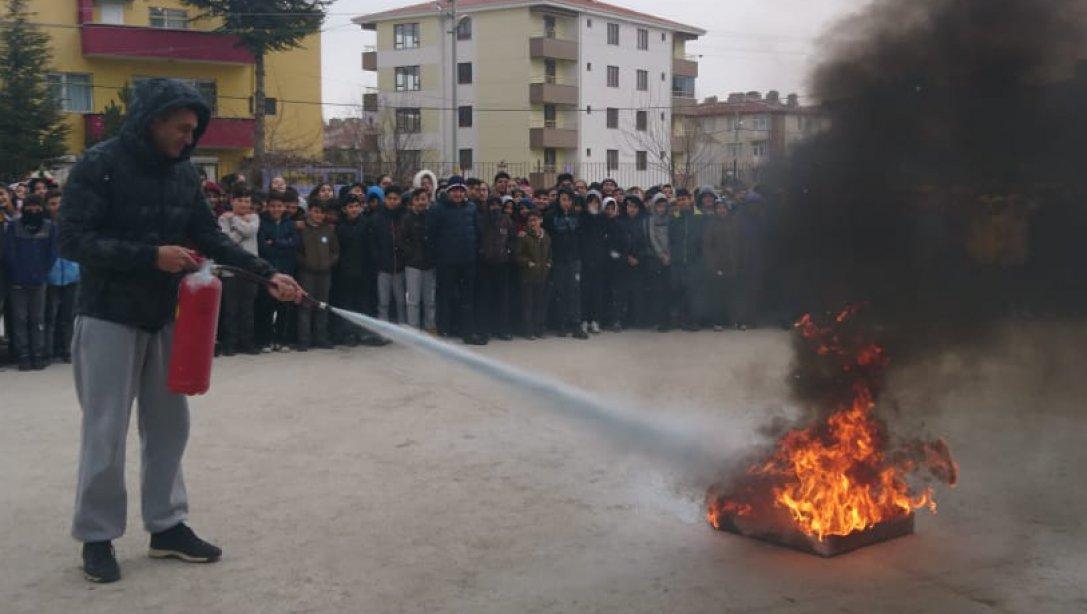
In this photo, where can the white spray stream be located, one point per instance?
(684, 444)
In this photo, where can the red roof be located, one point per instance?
(469, 5)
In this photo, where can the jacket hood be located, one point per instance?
(152, 98)
(417, 181)
(375, 191)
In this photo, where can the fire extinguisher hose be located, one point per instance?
(307, 300)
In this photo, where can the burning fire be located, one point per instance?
(840, 475)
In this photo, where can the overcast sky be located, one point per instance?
(751, 44)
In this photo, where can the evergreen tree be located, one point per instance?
(263, 27)
(32, 127)
(113, 117)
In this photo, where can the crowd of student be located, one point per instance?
(458, 258)
(464, 258)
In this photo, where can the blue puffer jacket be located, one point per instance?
(64, 273)
(277, 243)
(29, 256)
(454, 233)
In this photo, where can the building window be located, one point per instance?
(174, 19)
(588, 152)
(641, 160)
(550, 116)
(643, 38)
(550, 71)
(641, 120)
(758, 149)
(551, 160)
(613, 118)
(613, 34)
(761, 123)
(464, 73)
(613, 76)
(664, 77)
(270, 104)
(406, 36)
(683, 86)
(734, 150)
(662, 116)
(112, 13)
(464, 29)
(72, 91)
(664, 37)
(549, 26)
(589, 23)
(589, 109)
(407, 79)
(589, 67)
(465, 159)
(464, 117)
(409, 121)
(613, 160)
(643, 80)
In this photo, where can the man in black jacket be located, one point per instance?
(130, 207)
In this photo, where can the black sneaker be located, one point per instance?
(100, 563)
(181, 543)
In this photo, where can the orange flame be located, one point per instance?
(836, 477)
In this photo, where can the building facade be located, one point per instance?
(741, 135)
(541, 87)
(101, 46)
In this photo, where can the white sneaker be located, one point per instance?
(595, 327)
(266, 349)
(585, 327)
(718, 328)
(285, 348)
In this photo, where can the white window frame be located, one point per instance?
(412, 79)
(409, 120)
(758, 149)
(168, 18)
(613, 34)
(612, 160)
(643, 39)
(642, 81)
(111, 12)
(401, 38)
(62, 85)
(613, 71)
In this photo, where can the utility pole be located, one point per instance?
(455, 78)
(739, 149)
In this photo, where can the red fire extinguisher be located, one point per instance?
(194, 332)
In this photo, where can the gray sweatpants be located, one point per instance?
(390, 287)
(114, 365)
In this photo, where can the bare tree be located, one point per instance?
(681, 149)
(400, 142)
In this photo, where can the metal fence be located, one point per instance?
(304, 178)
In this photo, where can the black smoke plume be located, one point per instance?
(948, 187)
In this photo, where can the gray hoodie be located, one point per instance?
(657, 229)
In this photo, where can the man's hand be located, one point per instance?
(176, 259)
(286, 289)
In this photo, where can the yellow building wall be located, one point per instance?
(293, 77)
(504, 136)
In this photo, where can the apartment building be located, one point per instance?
(743, 133)
(100, 46)
(542, 87)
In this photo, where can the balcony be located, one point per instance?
(550, 92)
(369, 60)
(684, 67)
(549, 136)
(222, 132)
(549, 47)
(134, 42)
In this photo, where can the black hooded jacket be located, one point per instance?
(124, 199)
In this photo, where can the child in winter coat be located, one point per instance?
(59, 296)
(388, 256)
(722, 254)
(634, 244)
(534, 262)
(564, 227)
(657, 262)
(30, 248)
(420, 276)
(615, 264)
(318, 253)
(499, 241)
(594, 262)
(239, 296)
(277, 242)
